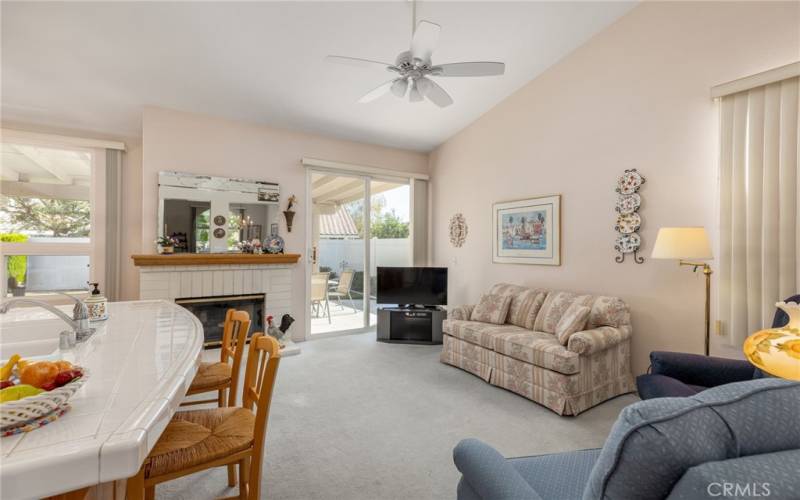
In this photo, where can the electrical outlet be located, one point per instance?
(718, 327)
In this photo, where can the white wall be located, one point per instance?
(384, 251)
(635, 96)
(200, 144)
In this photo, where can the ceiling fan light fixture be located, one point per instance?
(423, 85)
(399, 87)
(415, 95)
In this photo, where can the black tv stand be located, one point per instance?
(411, 324)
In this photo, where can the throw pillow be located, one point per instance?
(492, 308)
(573, 321)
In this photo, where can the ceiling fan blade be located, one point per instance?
(434, 92)
(426, 37)
(355, 61)
(470, 69)
(376, 92)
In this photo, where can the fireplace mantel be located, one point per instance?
(214, 259)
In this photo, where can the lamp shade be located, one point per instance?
(682, 243)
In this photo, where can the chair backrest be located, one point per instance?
(781, 318)
(263, 359)
(234, 339)
(655, 442)
(345, 281)
(319, 286)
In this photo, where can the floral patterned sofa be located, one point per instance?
(525, 356)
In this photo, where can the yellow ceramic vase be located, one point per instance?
(777, 350)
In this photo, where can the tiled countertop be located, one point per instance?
(141, 361)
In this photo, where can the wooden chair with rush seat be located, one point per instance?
(197, 440)
(223, 376)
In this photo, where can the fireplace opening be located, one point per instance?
(211, 313)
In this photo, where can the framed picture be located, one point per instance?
(273, 229)
(527, 231)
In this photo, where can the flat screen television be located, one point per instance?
(421, 286)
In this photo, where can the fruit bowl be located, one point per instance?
(26, 410)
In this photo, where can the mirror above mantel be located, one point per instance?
(207, 214)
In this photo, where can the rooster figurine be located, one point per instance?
(274, 331)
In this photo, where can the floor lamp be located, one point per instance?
(688, 245)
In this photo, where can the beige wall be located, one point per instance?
(201, 144)
(635, 96)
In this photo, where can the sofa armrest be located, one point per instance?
(597, 339)
(460, 312)
(696, 369)
(489, 474)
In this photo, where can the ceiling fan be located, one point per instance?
(414, 67)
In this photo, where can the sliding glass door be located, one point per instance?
(338, 230)
(357, 224)
(390, 237)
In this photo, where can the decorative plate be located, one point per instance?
(274, 245)
(629, 182)
(219, 220)
(628, 243)
(628, 223)
(219, 233)
(458, 230)
(628, 203)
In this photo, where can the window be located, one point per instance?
(759, 174)
(47, 217)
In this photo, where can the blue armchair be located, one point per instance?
(676, 374)
(666, 448)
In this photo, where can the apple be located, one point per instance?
(67, 376)
(48, 386)
(6, 383)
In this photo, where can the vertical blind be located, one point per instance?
(759, 211)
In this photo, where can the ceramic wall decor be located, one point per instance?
(628, 218)
(458, 230)
(219, 220)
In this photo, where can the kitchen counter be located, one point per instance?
(141, 362)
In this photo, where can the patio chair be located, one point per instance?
(342, 289)
(319, 294)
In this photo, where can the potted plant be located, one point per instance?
(16, 265)
(166, 245)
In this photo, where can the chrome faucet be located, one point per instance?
(80, 313)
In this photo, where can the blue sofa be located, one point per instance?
(677, 374)
(739, 440)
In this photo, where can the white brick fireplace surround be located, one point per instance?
(179, 282)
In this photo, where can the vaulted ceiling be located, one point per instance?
(94, 65)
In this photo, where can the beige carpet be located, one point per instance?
(356, 419)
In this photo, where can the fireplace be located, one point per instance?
(211, 313)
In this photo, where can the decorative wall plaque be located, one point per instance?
(219, 220)
(219, 233)
(628, 218)
(458, 230)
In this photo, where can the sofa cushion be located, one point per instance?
(478, 333)
(492, 308)
(768, 475)
(540, 349)
(554, 306)
(525, 303)
(573, 321)
(608, 311)
(654, 442)
(572, 467)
